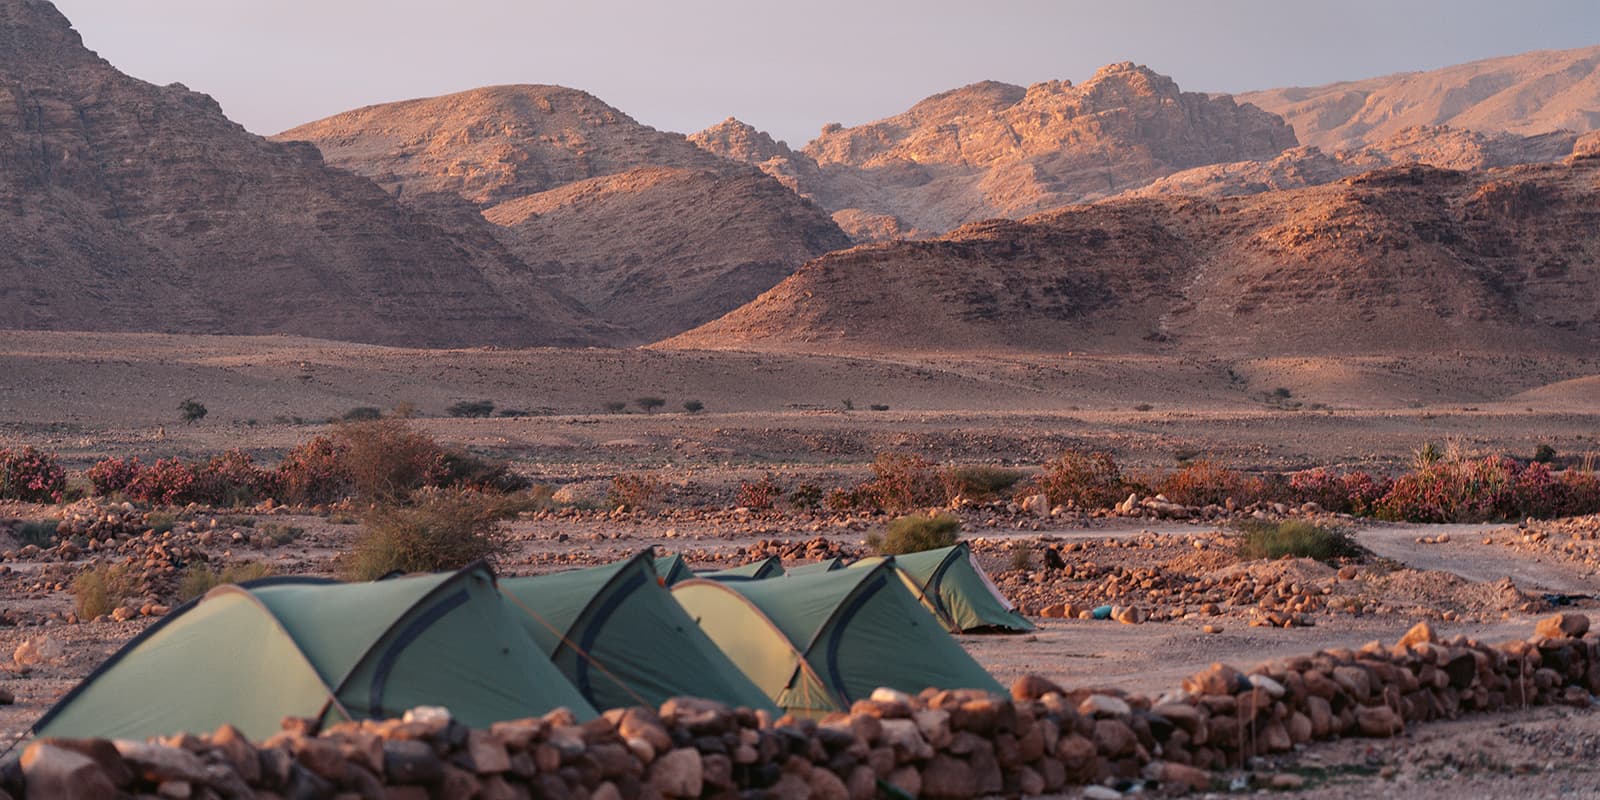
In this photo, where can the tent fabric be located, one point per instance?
(673, 568)
(827, 565)
(817, 643)
(955, 588)
(255, 653)
(619, 637)
(769, 567)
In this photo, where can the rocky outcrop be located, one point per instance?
(996, 150)
(1404, 259)
(131, 207)
(953, 744)
(653, 234)
(1526, 94)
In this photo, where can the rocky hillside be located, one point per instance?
(653, 234)
(1436, 146)
(995, 150)
(131, 207)
(1413, 258)
(1526, 94)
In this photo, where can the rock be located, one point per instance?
(827, 786)
(948, 778)
(1114, 738)
(906, 738)
(1038, 505)
(1192, 778)
(1378, 721)
(1075, 751)
(678, 773)
(1104, 705)
(1287, 782)
(1217, 679)
(38, 650)
(57, 772)
(1101, 793)
(1421, 633)
(411, 761)
(935, 726)
(488, 755)
(700, 716)
(1271, 687)
(1211, 628)
(1561, 626)
(1033, 687)
(908, 779)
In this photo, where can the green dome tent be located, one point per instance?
(769, 567)
(672, 569)
(952, 585)
(622, 640)
(817, 643)
(252, 654)
(826, 565)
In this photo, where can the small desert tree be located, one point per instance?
(191, 410)
(693, 406)
(615, 407)
(649, 404)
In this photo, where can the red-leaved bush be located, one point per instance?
(112, 475)
(315, 473)
(1487, 489)
(31, 475)
(1204, 483)
(233, 479)
(1354, 492)
(168, 482)
(759, 495)
(1085, 480)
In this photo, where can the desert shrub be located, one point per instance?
(902, 482)
(1204, 483)
(1544, 453)
(469, 471)
(444, 530)
(1293, 537)
(191, 410)
(649, 404)
(1085, 480)
(112, 475)
(693, 406)
(879, 407)
(387, 459)
(806, 496)
(1355, 492)
(1143, 407)
(31, 475)
(471, 408)
(614, 406)
(362, 414)
(99, 590)
(161, 521)
(233, 479)
(759, 495)
(916, 533)
(977, 482)
(841, 500)
(315, 473)
(635, 492)
(1580, 493)
(1022, 559)
(1476, 490)
(40, 533)
(167, 482)
(280, 534)
(200, 578)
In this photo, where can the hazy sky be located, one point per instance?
(787, 68)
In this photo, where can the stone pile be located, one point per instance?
(939, 744)
(817, 549)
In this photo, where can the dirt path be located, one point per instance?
(1466, 555)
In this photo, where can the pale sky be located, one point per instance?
(786, 68)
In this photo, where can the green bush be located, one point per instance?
(100, 590)
(40, 534)
(201, 578)
(362, 414)
(444, 530)
(1294, 537)
(649, 404)
(916, 533)
(693, 406)
(279, 534)
(978, 482)
(471, 408)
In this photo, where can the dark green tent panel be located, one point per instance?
(827, 565)
(252, 654)
(769, 567)
(952, 585)
(672, 569)
(622, 640)
(817, 643)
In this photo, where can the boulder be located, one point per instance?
(52, 771)
(678, 773)
(1562, 626)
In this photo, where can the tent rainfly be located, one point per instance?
(952, 585)
(826, 565)
(673, 568)
(255, 653)
(769, 567)
(817, 643)
(622, 640)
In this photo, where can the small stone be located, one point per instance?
(1378, 721)
(1212, 629)
(1101, 793)
(1104, 705)
(1287, 782)
(678, 773)
(1561, 626)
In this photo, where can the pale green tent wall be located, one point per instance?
(817, 643)
(672, 569)
(620, 638)
(250, 655)
(826, 565)
(956, 589)
(769, 567)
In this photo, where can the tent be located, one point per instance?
(952, 585)
(254, 653)
(826, 565)
(769, 567)
(817, 643)
(622, 640)
(673, 568)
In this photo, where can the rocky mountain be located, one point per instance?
(1435, 146)
(651, 233)
(1410, 258)
(1528, 94)
(132, 207)
(996, 150)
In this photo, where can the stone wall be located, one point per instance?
(940, 744)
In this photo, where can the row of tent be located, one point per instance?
(809, 642)
(948, 581)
